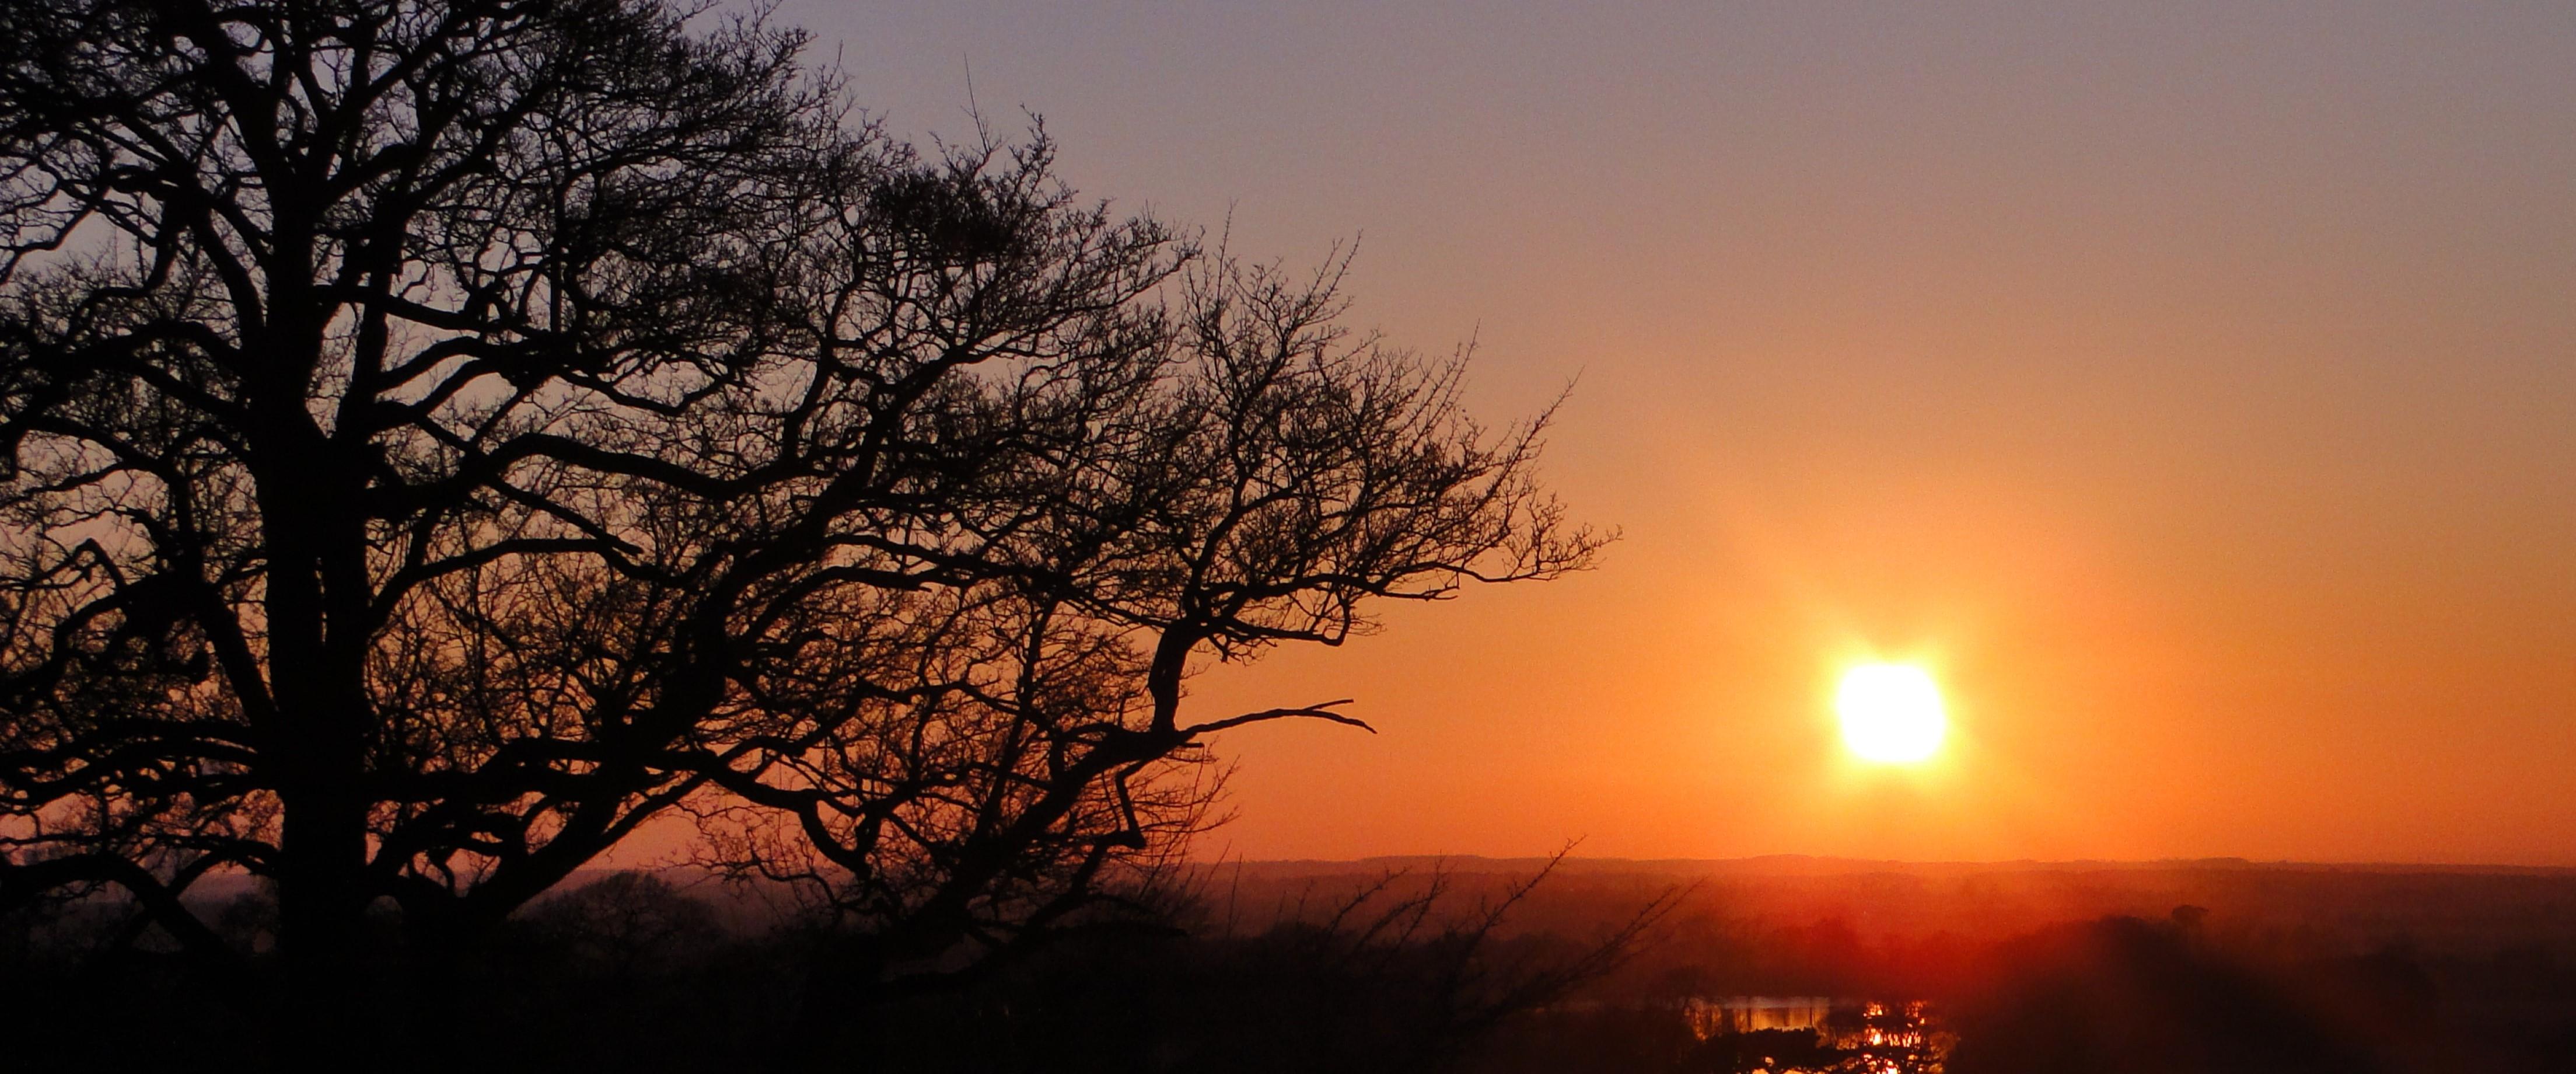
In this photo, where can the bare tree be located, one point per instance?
(442, 436)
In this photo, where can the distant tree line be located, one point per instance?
(641, 971)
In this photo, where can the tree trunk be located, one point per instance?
(321, 928)
(317, 674)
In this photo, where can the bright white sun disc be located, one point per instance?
(1890, 712)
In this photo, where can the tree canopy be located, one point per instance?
(440, 437)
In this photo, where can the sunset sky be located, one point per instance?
(2191, 388)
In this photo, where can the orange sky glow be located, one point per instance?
(2191, 389)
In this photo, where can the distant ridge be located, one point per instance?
(1784, 865)
(1771, 871)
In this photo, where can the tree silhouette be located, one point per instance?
(443, 437)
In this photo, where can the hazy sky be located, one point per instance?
(2191, 386)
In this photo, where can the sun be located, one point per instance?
(1891, 713)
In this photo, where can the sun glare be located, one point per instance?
(1891, 713)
